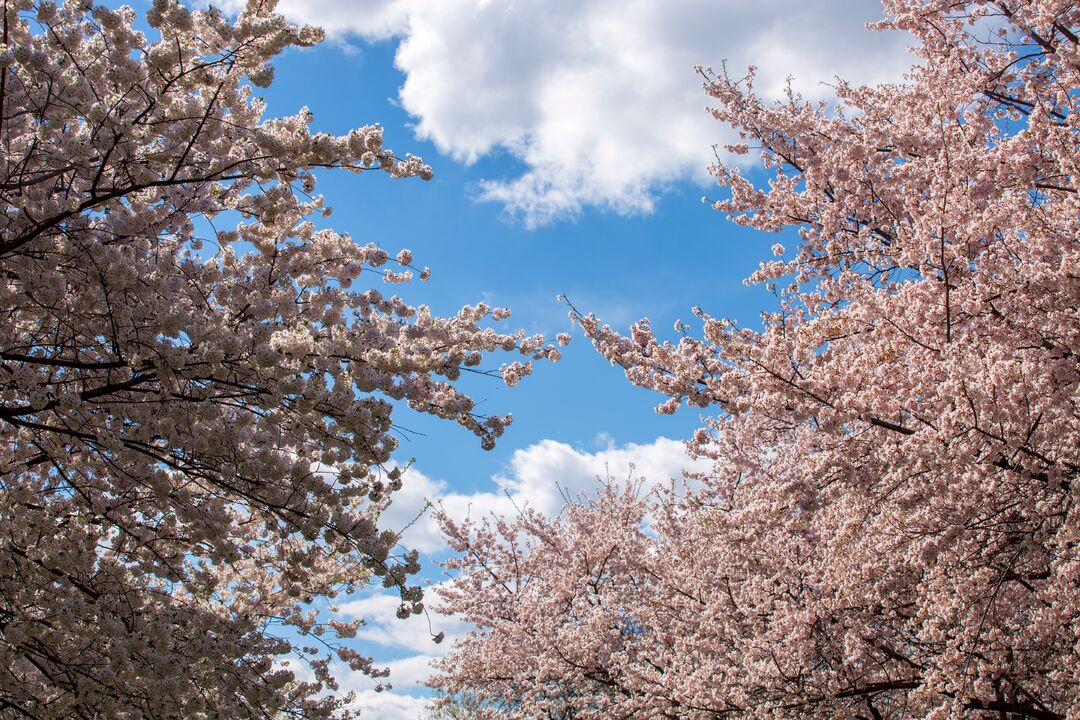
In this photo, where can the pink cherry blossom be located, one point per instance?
(889, 529)
(197, 382)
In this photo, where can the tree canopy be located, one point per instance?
(889, 529)
(196, 422)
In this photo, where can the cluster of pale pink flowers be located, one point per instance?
(171, 394)
(890, 526)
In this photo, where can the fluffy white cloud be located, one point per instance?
(538, 477)
(598, 98)
(383, 627)
(369, 19)
(390, 705)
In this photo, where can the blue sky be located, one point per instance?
(623, 266)
(569, 142)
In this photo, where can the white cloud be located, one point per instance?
(370, 19)
(406, 675)
(537, 477)
(395, 704)
(410, 512)
(390, 705)
(540, 475)
(597, 98)
(384, 628)
(409, 697)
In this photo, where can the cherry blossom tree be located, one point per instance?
(890, 526)
(196, 382)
